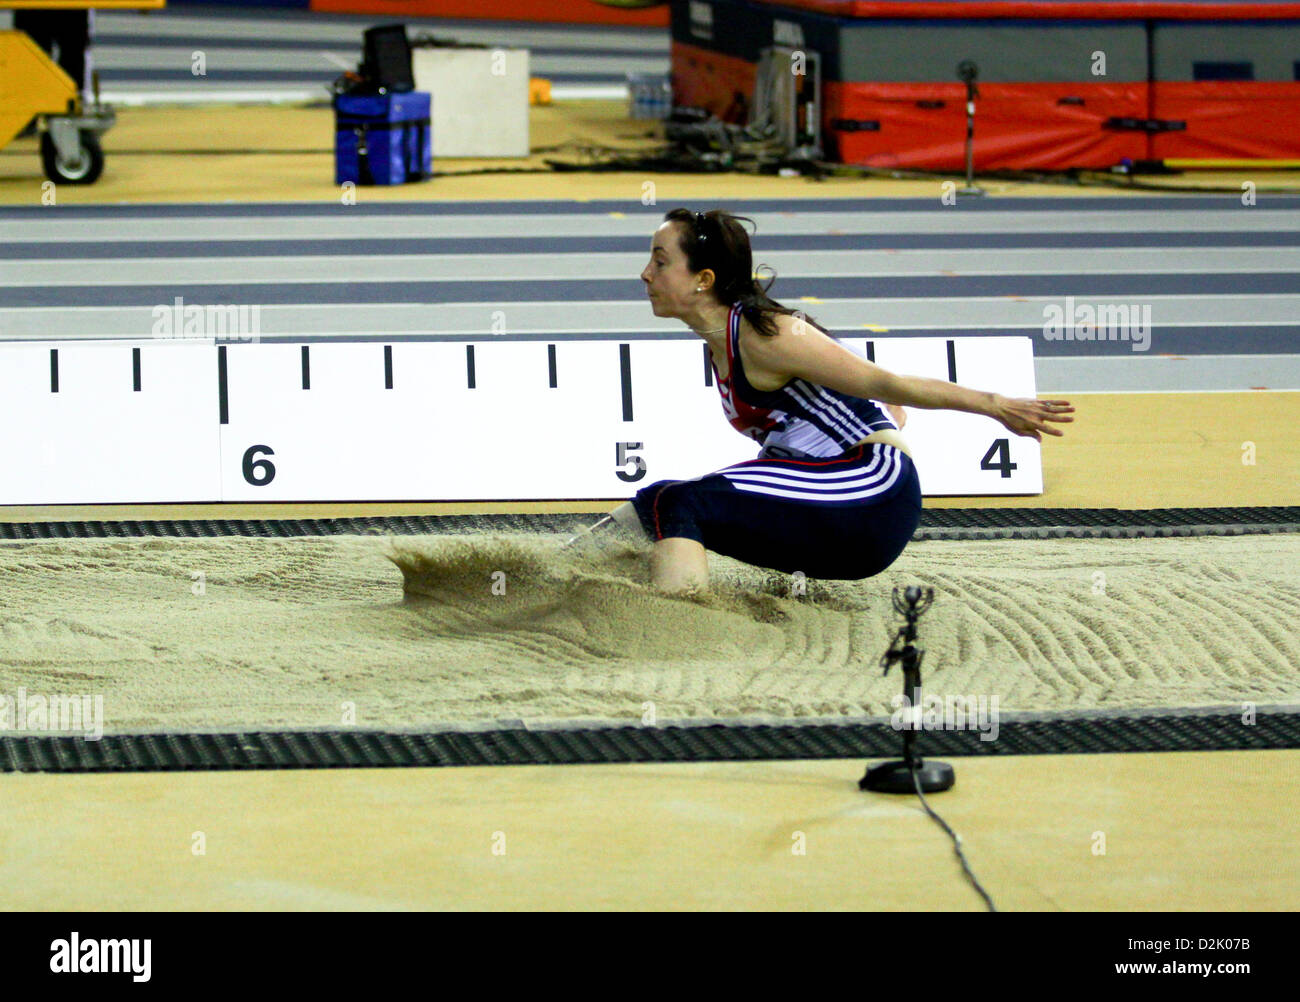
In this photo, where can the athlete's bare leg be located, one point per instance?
(678, 564)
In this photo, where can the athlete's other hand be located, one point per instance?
(1031, 417)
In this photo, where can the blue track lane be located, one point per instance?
(1121, 287)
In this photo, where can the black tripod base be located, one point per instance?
(896, 777)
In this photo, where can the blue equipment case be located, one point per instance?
(382, 138)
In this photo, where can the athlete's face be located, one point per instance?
(669, 282)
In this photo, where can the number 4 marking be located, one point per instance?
(1002, 448)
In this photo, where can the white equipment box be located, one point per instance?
(480, 99)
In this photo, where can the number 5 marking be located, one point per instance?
(622, 457)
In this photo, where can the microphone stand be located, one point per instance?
(896, 776)
(968, 72)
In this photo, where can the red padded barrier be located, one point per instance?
(1017, 126)
(1229, 119)
(1096, 10)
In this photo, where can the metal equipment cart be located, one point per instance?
(32, 85)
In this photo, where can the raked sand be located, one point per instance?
(414, 631)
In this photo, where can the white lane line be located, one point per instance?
(558, 266)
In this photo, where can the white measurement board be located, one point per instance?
(94, 422)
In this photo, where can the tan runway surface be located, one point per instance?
(1054, 833)
(167, 154)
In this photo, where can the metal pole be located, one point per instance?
(968, 72)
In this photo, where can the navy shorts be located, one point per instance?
(844, 518)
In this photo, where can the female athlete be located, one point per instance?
(833, 492)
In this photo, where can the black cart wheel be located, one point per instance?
(84, 169)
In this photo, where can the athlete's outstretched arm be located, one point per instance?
(801, 351)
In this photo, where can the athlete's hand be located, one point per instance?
(1031, 417)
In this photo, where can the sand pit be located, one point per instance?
(416, 631)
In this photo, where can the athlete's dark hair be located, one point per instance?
(716, 240)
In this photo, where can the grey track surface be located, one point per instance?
(783, 218)
(1224, 315)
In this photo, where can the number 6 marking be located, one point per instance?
(622, 457)
(259, 472)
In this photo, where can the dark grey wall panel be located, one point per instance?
(1273, 49)
(1005, 53)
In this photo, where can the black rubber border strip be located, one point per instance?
(936, 523)
(1080, 735)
